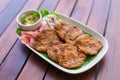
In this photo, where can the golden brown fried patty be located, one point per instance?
(47, 34)
(73, 52)
(88, 45)
(72, 34)
(44, 39)
(53, 51)
(62, 28)
(69, 57)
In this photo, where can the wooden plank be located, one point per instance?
(48, 4)
(53, 73)
(4, 4)
(82, 10)
(14, 62)
(36, 67)
(98, 21)
(65, 7)
(9, 36)
(109, 67)
(102, 7)
(9, 13)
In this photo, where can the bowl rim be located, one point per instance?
(25, 11)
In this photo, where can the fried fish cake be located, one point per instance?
(47, 34)
(62, 28)
(44, 39)
(53, 51)
(41, 45)
(88, 45)
(69, 57)
(72, 34)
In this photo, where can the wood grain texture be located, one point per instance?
(55, 74)
(66, 6)
(9, 36)
(3, 5)
(99, 15)
(9, 13)
(110, 65)
(49, 4)
(18, 54)
(82, 10)
(36, 67)
(13, 63)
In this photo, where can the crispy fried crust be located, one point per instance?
(47, 34)
(53, 51)
(88, 45)
(44, 39)
(62, 28)
(72, 34)
(73, 50)
(69, 57)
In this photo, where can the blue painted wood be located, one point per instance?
(49, 4)
(9, 13)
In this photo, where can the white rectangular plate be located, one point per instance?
(90, 61)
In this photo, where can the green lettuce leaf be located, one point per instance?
(87, 33)
(18, 30)
(44, 12)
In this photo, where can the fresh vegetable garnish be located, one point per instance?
(18, 30)
(34, 15)
(23, 19)
(87, 33)
(45, 12)
(54, 13)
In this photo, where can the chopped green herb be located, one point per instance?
(18, 30)
(34, 15)
(23, 19)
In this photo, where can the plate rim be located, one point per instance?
(101, 54)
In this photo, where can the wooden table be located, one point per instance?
(18, 62)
